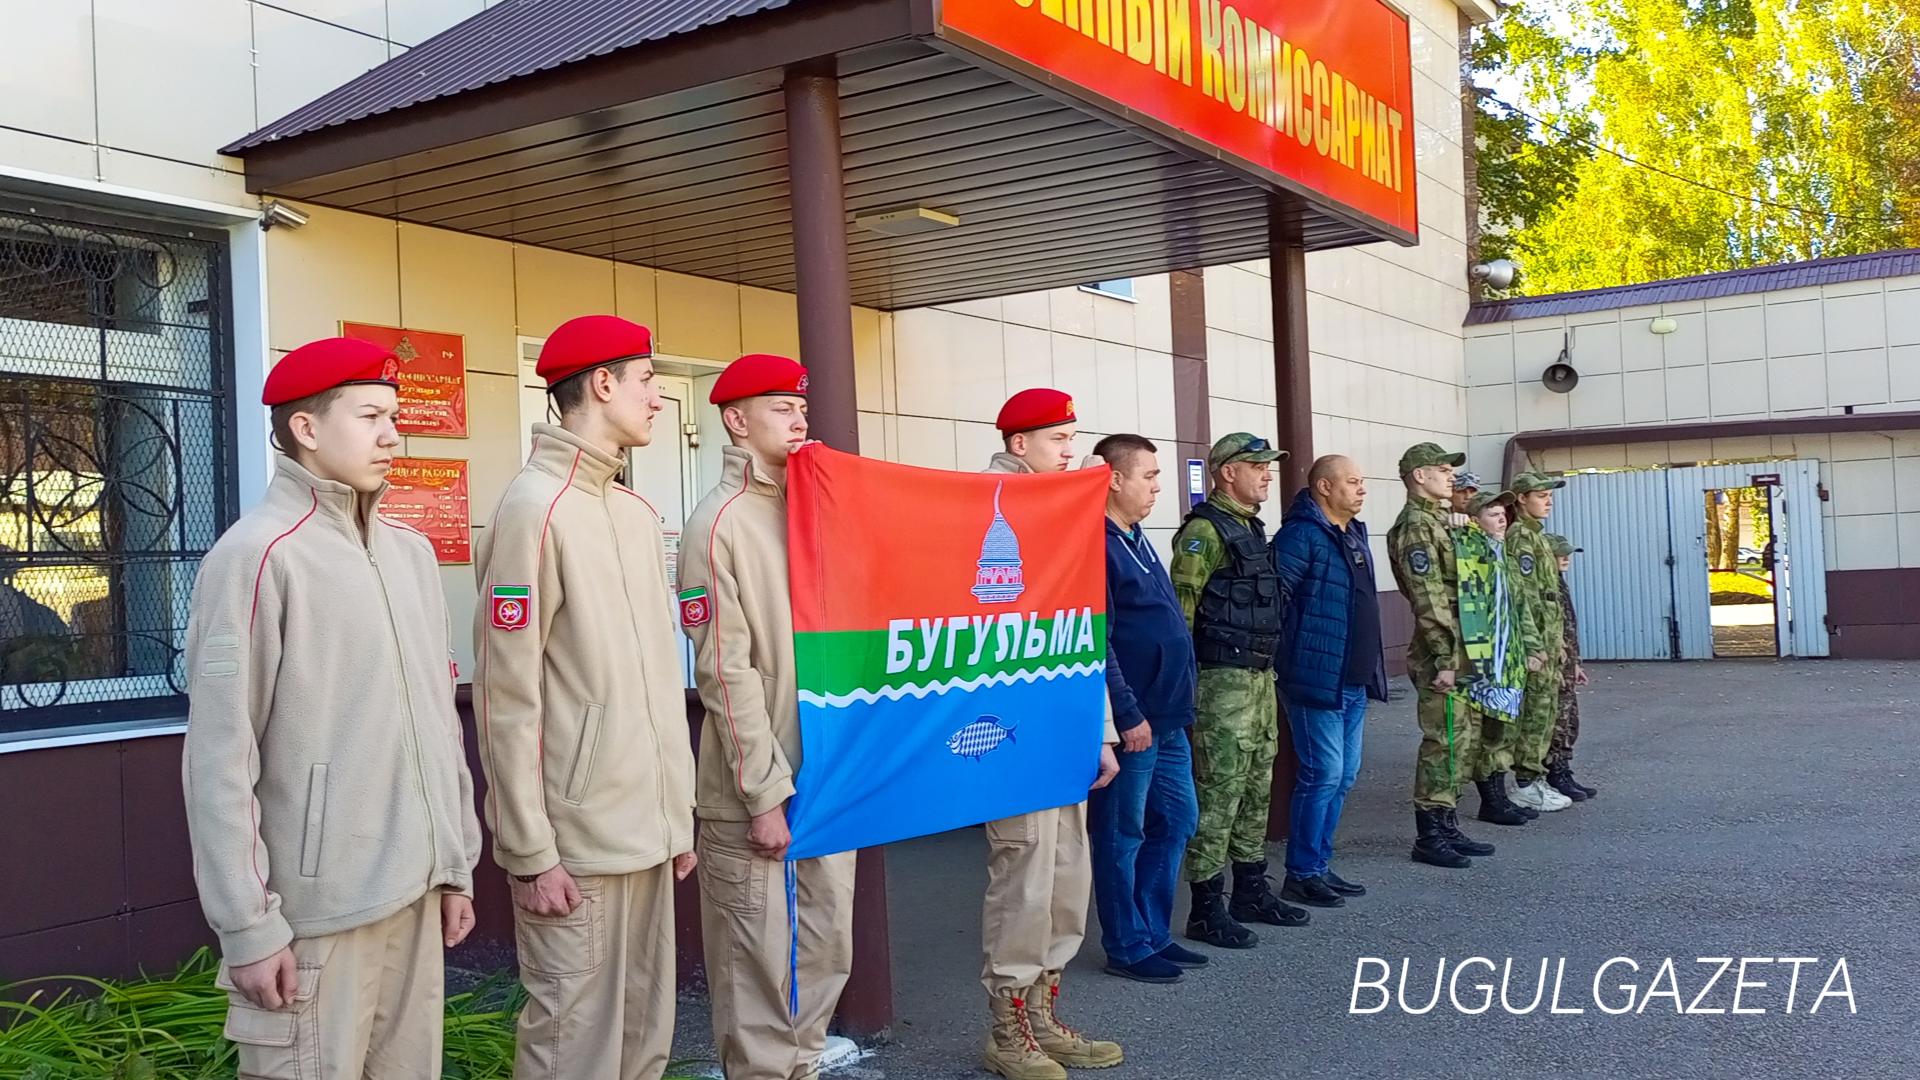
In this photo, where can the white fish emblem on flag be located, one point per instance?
(980, 738)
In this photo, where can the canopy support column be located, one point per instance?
(1293, 398)
(824, 298)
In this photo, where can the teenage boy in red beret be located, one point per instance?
(1039, 876)
(328, 799)
(735, 606)
(583, 722)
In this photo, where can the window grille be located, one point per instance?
(115, 477)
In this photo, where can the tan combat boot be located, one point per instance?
(1011, 1049)
(1060, 1042)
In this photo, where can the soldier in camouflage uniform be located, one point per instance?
(1566, 726)
(1420, 550)
(1540, 578)
(1229, 588)
(1502, 642)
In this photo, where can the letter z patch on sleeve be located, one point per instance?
(512, 606)
(694, 609)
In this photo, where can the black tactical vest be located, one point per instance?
(1237, 622)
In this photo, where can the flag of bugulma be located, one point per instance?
(950, 633)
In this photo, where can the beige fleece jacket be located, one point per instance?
(326, 787)
(580, 704)
(736, 550)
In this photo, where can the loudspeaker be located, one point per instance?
(1560, 378)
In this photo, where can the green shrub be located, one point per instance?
(170, 1029)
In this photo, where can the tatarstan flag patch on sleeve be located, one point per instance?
(695, 609)
(512, 606)
(951, 652)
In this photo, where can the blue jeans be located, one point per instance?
(1327, 741)
(1137, 829)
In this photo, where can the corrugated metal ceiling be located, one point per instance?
(695, 182)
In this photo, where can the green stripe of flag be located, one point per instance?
(838, 662)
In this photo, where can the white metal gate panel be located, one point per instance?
(1804, 565)
(1620, 582)
(1687, 508)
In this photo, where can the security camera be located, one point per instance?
(279, 213)
(1497, 274)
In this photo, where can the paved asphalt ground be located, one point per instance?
(1748, 808)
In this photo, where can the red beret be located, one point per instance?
(588, 342)
(327, 363)
(759, 373)
(1035, 408)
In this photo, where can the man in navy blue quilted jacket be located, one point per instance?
(1138, 826)
(1331, 661)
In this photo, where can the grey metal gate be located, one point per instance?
(1640, 582)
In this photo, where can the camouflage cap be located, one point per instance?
(1562, 547)
(1533, 480)
(1241, 446)
(1466, 478)
(1423, 454)
(1482, 499)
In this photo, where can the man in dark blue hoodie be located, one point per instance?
(1331, 661)
(1138, 826)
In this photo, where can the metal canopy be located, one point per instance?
(671, 152)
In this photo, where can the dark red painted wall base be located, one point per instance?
(1874, 614)
(99, 880)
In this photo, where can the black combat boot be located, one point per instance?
(1208, 921)
(1560, 778)
(1462, 843)
(1495, 807)
(1253, 899)
(1431, 846)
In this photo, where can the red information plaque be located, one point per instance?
(430, 494)
(433, 377)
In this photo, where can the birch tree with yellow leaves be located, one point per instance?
(1622, 141)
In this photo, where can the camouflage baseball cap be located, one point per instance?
(1423, 454)
(1535, 481)
(1241, 446)
(1562, 547)
(1466, 478)
(1482, 499)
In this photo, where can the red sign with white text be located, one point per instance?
(433, 377)
(1306, 94)
(430, 494)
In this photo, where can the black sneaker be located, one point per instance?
(1311, 890)
(1148, 969)
(1340, 885)
(1174, 953)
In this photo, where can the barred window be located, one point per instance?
(115, 430)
